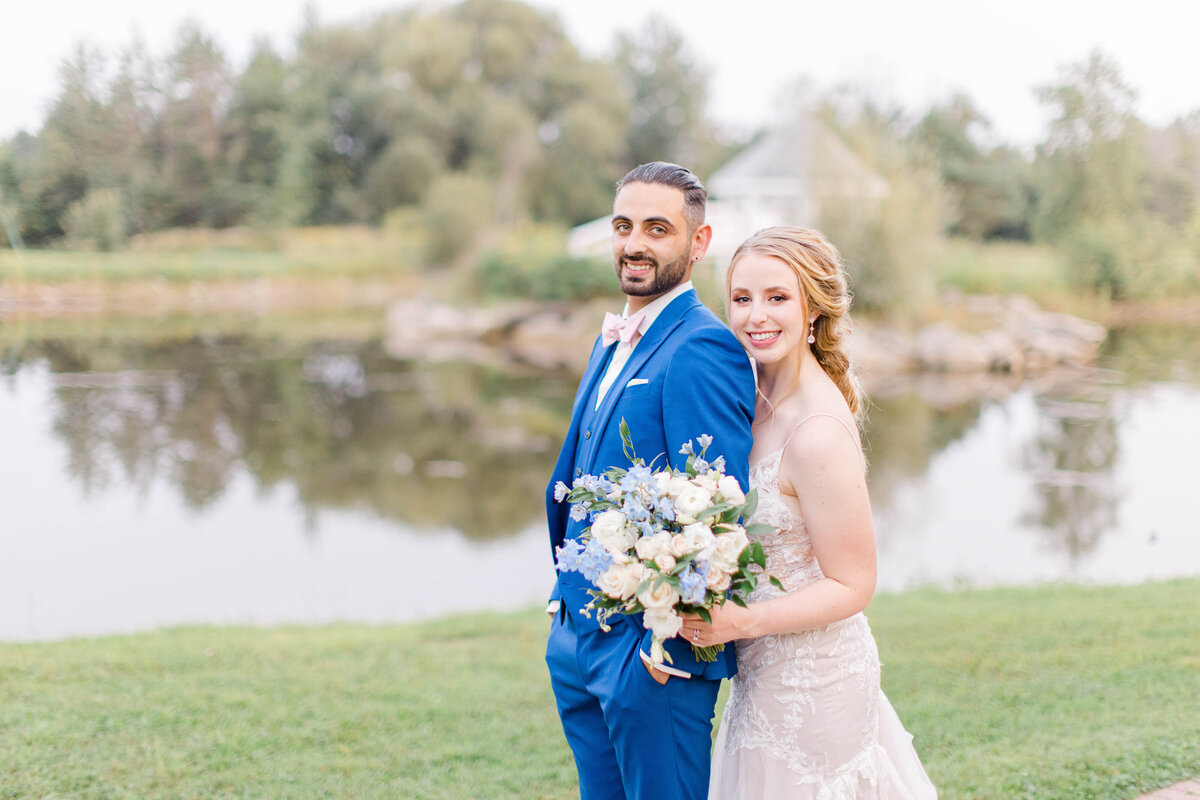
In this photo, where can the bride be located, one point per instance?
(806, 717)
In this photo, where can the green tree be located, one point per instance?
(887, 247)
(54, 173)
(256, 130)
(1099, 194)
(188, 143)
(667, 92)
(989, 190)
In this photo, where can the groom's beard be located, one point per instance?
(660, 280)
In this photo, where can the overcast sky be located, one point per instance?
(915, 52)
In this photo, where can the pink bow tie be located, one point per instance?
(618, 329)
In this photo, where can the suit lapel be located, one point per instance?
(596, 367)
(670, 319)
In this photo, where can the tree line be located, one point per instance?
(470, 120)
(468, 117)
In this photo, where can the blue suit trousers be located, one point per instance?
(633, 739)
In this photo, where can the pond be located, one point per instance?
(160, 478)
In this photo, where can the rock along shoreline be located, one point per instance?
(982, 334)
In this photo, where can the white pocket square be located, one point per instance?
(636, 382)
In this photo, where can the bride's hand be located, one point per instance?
(729, 621)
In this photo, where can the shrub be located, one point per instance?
(1123, 260)
(97, 220)
(457, 211)
(532, 263)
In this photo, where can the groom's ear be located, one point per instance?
(701, 239)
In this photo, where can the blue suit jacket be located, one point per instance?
(698, 380)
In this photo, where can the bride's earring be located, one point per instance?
(811, 338)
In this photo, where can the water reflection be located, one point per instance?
(468, 447)
(346, 425)
(315, 478)
(1072, 458)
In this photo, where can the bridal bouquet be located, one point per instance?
(663, 541)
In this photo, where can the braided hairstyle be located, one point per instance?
(818, 266)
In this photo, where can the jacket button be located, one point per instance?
(587, 434)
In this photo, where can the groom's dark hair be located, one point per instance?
(677, 177)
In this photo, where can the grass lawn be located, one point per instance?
(1056, 692)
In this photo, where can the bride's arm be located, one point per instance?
(823, 466)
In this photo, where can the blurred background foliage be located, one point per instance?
(460, 129)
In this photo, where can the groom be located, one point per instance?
(673, 372)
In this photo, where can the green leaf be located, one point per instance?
(759, 529)
(713, 511)
(704, 615)
(751, 503)
(776, 582)
(627, 441)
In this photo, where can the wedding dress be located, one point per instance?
(806, 718)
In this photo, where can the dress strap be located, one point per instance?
(849, 430)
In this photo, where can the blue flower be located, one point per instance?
(568, 554)
(686, 450)
(692, 585)
(704, 441)
(701, 466)
(634, 509)
(561, 490)
(665, 507)
(579, 512)
(594, 560)
(637, 476)
(719, 464)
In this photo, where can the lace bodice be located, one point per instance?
(789, 552)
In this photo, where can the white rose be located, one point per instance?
(678, 485)
(648, 547)
(691, 501)
(662, 622)
(610, 530)
(706, 483)
(738, 533)
(726, 551)
(665, 562)
(718, 580)
(731, 490)
(622, 580)
(659, 594)
(663, 480)
(679, 545)
(699, 539)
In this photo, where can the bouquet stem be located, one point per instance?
(709, 653)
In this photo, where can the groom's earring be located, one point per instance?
(811, 338)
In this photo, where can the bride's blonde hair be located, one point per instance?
(818, 267)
